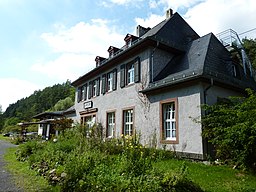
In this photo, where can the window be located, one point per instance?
(88, 120)
(110, 124)
(130, 73)
(128, 122)
(82, 93)
(169, 129)
(109, 81)
(94, 88)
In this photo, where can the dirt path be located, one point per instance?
(6, 180)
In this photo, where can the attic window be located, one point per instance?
(112, 51)
(129, 39)
(99, 60)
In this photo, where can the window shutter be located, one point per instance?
(114, 79)
(98, 87)
(122, 76)
(85, 92)
(79, 94)
(90, 90)
(103, 84)
(137, 70)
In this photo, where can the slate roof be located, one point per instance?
(205, 58)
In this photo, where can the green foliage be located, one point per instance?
(40, 101)
(231, 127)
(63, 104)
(250, 48)
(80, 161)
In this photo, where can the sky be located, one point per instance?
(46, 42)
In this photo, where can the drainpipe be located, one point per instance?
(206, 89)
(206, 147)
(152, 62)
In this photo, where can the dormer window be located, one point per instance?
(129, 39)
(112, 51)
(99, 60)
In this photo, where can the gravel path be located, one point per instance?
(6, 180)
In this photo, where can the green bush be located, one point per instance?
(230, 126)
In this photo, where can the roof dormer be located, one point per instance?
(98, 60)
(112, 51)
(129, 39)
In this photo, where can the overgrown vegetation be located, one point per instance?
(82, 161)
(231, 127)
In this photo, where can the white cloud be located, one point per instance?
(174, 4)
(14, 89)
(151, 21)
(218, 15)
(76, 48)
(110, 3)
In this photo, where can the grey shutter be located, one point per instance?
(122, 76)
(103, 84)
(79, 94)
(137, 70)
(98, 86)
(114, 79)
(85, 92)
(90, 90)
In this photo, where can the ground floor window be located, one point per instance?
(128, 122)
(88, 120)
(168, 118)
(110, 124)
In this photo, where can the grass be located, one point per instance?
(4, 138)
(213, 178)
(24, 177)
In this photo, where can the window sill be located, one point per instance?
(169, 141)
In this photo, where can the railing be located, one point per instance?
(231, 41)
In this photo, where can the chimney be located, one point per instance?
(141, 30)
(169, 13)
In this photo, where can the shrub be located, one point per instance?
(230, 126)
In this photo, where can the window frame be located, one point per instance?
(132, 131)
(130, 76)
(163, 138)
(113, 124)
(110, 77)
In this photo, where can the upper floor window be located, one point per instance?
(109, 81)
(130, 73)
(94, 88)
(82, 93)
(169, 121)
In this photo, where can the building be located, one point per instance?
(155, 84)
(46, 121)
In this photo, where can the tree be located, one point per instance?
(230, 126)
(250, 48)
